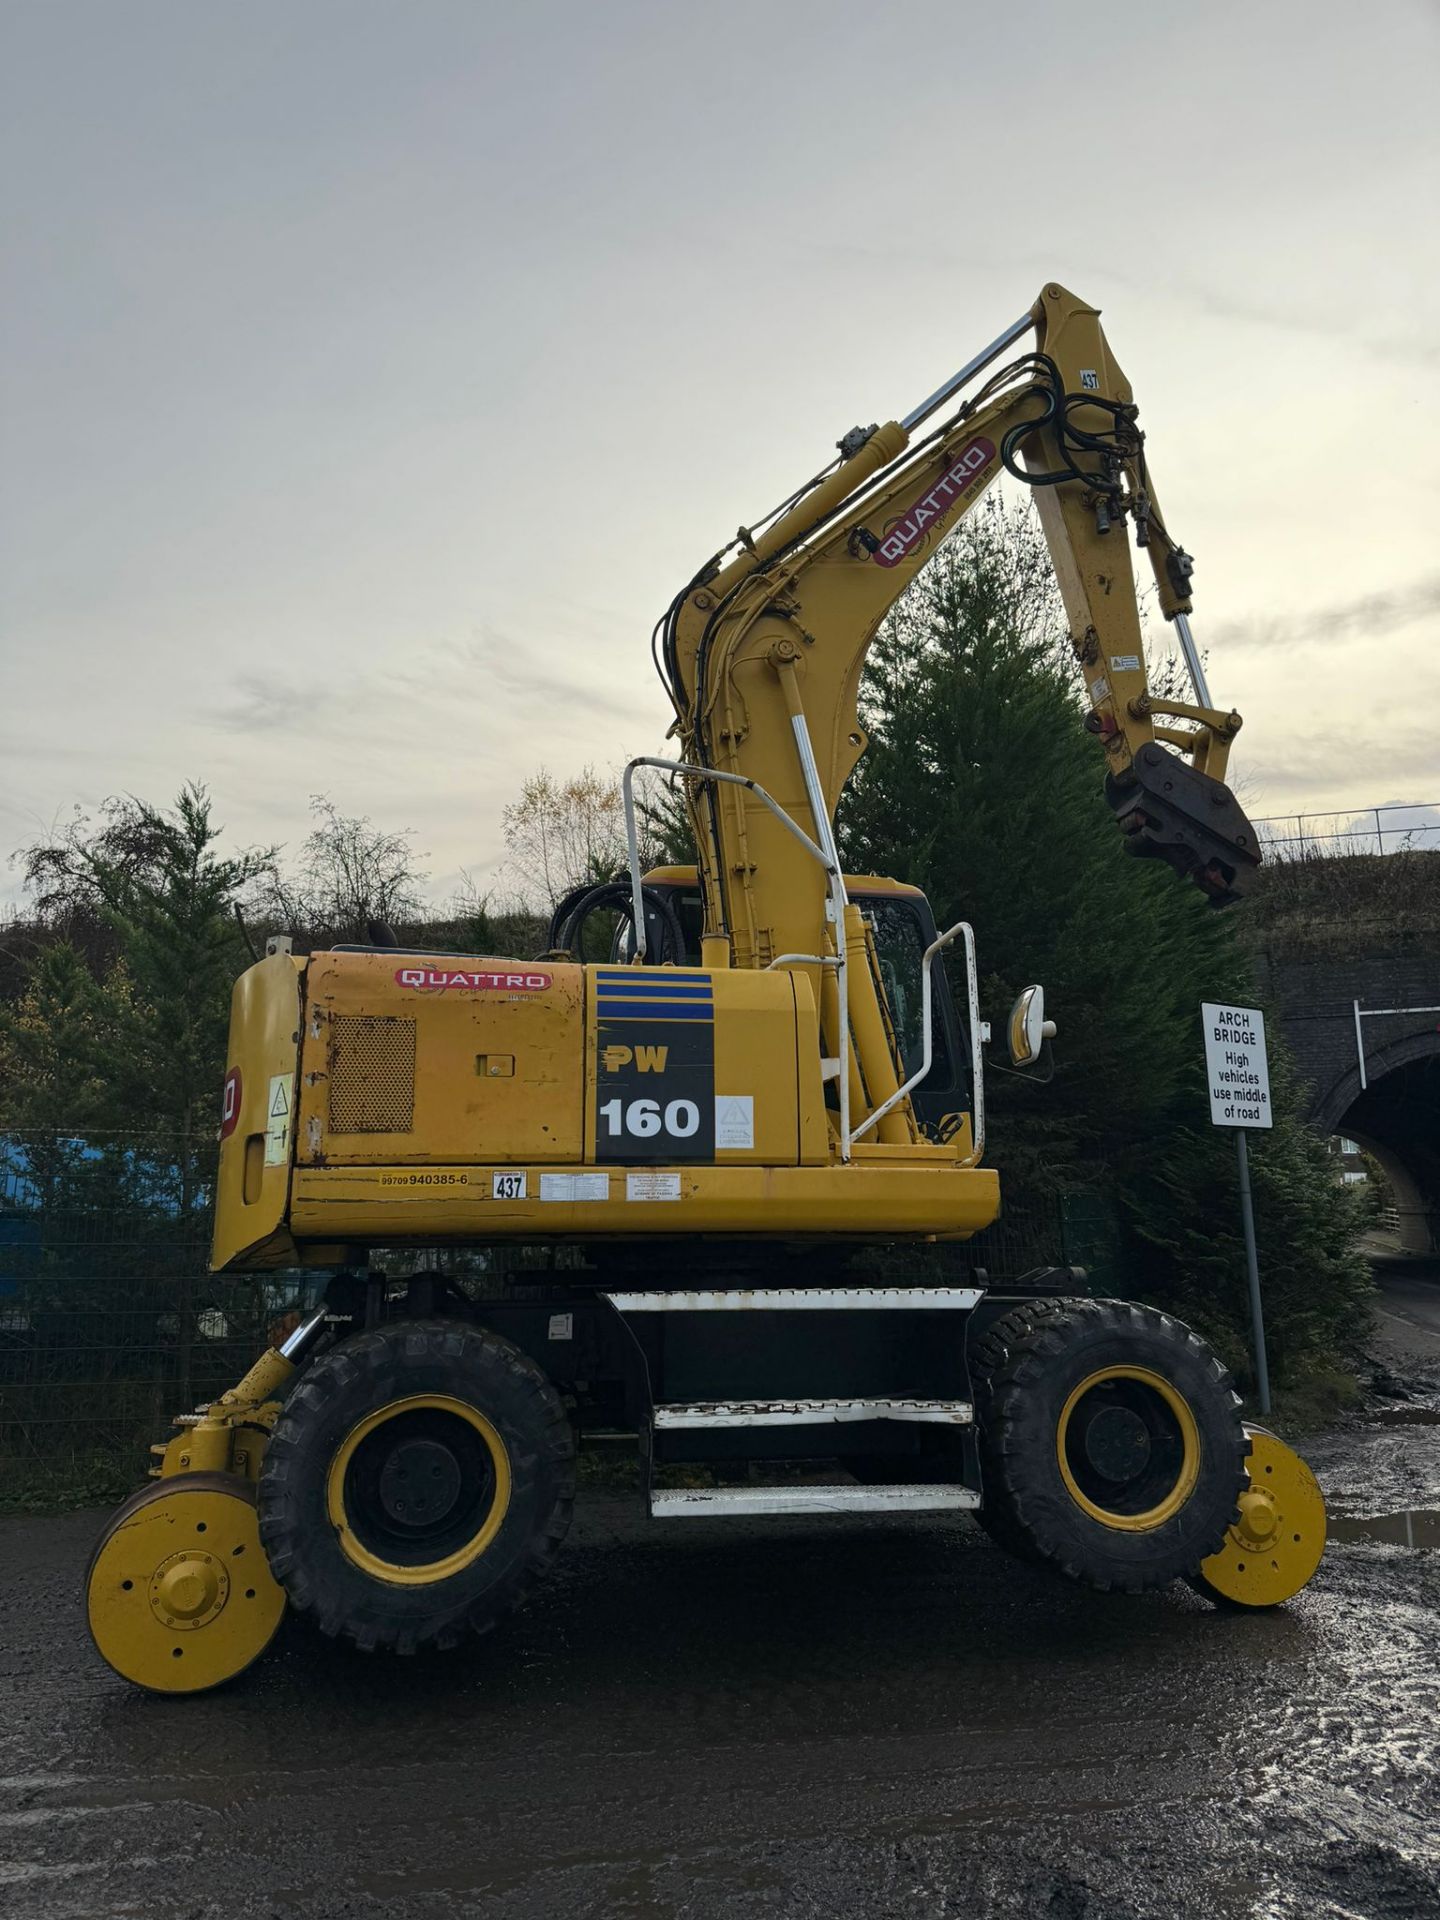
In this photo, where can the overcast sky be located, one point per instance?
(374, 374)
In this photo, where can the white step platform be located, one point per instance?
(704, 1416)
(684, 1503)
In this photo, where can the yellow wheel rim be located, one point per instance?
(1120, 1417)
(450, 1452)
(179, 1597)
(1274, 1546)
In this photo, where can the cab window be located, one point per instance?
(901, 937)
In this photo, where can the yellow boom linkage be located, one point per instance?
(763, 652)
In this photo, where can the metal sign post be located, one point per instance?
(1239, 1076)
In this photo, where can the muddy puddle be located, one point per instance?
(1411, 1528)
(1407, 1417)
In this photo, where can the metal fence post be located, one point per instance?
(1257, 1312)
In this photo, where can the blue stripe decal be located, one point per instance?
(650, 1000)
(653, 989)
(652, 993)
(657, 978)
(635, 1000)
(654, 1010)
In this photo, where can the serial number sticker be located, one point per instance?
(652, 1186)
(735, 1121)
(1090, 379)
(574, 1186)
(507, 1186)
(424, 1179)
(1124, 663)
(562, 1326)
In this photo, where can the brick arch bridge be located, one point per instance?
(1329, 933)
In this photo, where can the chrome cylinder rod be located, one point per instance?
(304, 1336)
(1192, 658)
(968, 371)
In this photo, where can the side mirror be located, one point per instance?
(1028, 1027)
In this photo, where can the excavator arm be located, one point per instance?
(762, 652)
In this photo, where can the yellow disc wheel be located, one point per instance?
(1128, 1448)
(1274, 1547)
(178, 1594)
(419, 1489)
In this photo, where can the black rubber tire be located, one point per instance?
(339, 1390)
(1025, 1367)
(988, 1355)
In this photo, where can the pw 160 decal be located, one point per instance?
(906, 534)
(444, 979)
(654, 1065)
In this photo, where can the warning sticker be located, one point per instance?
(574, 1186)
(562, 1326)
(735, 1121)
(1124, 663)
(1099, 688)
(277, 1121)
(652, 1186)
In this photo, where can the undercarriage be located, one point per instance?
(402, 1468)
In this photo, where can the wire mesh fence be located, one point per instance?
(111, 1322)
(109, 1319)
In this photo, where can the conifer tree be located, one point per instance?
(982, 785)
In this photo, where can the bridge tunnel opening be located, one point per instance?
(1396, 1120)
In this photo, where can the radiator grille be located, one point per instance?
(372, 1074)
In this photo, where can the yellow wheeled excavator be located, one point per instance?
(767, 1076)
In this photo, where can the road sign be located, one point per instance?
(1239, 1076)
(1238, 1070)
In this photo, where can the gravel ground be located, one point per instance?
(841, 1717)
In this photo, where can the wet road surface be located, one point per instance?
(832, 1717)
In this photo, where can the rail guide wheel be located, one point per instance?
(1275, 1542)
(178, 1594)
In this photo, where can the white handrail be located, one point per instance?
(927, 1058)
(632, 834)
(979, 1034)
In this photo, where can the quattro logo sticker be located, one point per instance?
(912, 529)
(445, 979)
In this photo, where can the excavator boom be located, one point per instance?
(769, 640)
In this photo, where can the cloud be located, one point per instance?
(1036, 267)
(1316, 764)
(261, 704)
(1366, 617)
(506, 683)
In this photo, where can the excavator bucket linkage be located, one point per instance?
(1171, 811)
